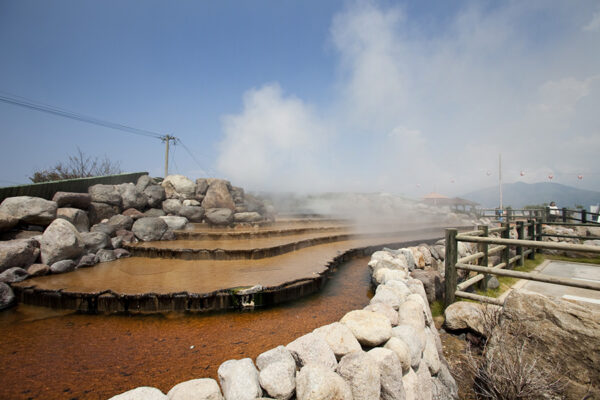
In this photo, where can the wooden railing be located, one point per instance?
(529, 240)
(561, 215)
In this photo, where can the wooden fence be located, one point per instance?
(529, 240)
(545, 214)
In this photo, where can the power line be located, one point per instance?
(33, 105)
(190, 153)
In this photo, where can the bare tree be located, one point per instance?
(79, 165)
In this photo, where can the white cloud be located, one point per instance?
(432, 105)
(594, 24)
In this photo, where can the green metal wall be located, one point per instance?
(46, 190)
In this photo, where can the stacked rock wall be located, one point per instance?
(388, 350)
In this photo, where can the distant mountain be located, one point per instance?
(520, 194)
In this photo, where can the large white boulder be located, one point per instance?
(390, 373)
(31, 210)
(312, 349)
(196, 389)
(61, 241)
(317, 382)
(339, 338)
(361, 371)
(141, 393)
(239, 380)
(179, 187)
(369, 328)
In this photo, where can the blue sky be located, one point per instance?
(404, 97)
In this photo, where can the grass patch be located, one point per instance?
(506, 282)
(437, 308)
(584, 260)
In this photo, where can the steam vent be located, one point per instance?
(192, 246)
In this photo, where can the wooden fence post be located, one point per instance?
(450, 265)
(505, 234)
(520, 232)
(531, 236)
(584, 216)
(483, 261)
(546, 216)
(538, 233)
(564, 214)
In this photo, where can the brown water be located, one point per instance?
(139, 275)
(50, 355)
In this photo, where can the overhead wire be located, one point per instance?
(38, 106)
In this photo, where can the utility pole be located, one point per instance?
(167, 139)
(500, 178)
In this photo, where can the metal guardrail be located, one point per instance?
(563, 215)
(528, 242)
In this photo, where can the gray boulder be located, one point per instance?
(443, 384)
(148, 229)
(14, 274)
(172, 206)
(105, 228)
(192, 213)
(369, 328)
(121, 253)
(7, 296)
(31, 210)
(7, 222)
(219, 216)
(339, 338)
(239, 380)
(77, 217)
(18, 253)
(196, 389)
(133, 213)
(411, 313)
(312, 349)
(390, 373)
(179, 187)
(464, 315)
(72, 199)
(38, 270)
(410, 381)
(154, 212)
(61, 241)
(120, 222)
(361, 371)
(143, 182)
(201, 187)
(62, 266)
(278, 354)
(101, 211)
(386, 295)
(141, 393)
(433, 282)
(425, 382)
(155, 195)
(430, 353)
(175, 223)
(247, 217)
(106, 255)
(317, 382)
(386, 310)
(108, 194)
(131, 197)
(218, 196)
(87, 260)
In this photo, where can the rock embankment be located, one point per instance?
(389, 350)
(76, 230)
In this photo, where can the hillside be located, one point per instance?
(520, 194)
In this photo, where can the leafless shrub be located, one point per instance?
(79, 165)
(505, 370)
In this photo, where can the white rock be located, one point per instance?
(278, 379)
(179, 187)
(361, 371)
(141, 393)
(402, 350)
(410, 380)
(316, 382)
(390, 373)
(382, 275)
(411, 313)
(386, 310)
(278, 354)
(175, 223)
(414, 339)
(371, 329)
(61, 241)
(463, 315)
(425, 306)
(196, 389)
(425, 383)
(400, 288)
(430, 353)
(239, 380)
(386, 295)
(339, 338)
(312, 349)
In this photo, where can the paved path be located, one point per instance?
(574, 270)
